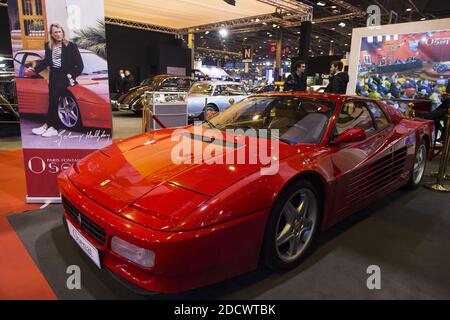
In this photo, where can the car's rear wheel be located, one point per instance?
(292, 226)
(418, 169)
(69, 112)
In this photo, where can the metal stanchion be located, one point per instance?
(411, 110)
(145, 112)
(439, 186)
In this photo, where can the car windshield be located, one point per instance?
(147, 81)
(201, 88)
(298, 119)
(93, 64)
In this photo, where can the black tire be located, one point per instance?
(414, 182)
(209, 108)
(68, 104)
(271, 253)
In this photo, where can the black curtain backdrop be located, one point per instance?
(321, 64)
(144, 53)
(5, 39)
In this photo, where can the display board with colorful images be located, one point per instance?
(404, 66)
(59, 51)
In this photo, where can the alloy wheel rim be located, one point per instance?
(295, 225)
(419, 164)
(68, 111)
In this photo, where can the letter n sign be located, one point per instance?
(247, 54)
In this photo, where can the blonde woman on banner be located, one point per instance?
(63, 59)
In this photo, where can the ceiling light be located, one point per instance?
(206, 32)
(332, 41)
(349, 34)
(257, 20)
(333, 28)
(264, 23)
(421, 19)
(342, 24)
(408, 10)
(274, 25)
(333, 7)
(320, 3)
(317, 37)
(223, 32)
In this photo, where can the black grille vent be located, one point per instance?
(93, 229)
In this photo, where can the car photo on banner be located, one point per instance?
(79, 114)
(82, 109)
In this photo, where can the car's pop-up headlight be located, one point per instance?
(140, 256)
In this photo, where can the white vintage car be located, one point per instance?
(213, 96)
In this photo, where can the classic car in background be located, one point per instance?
(85, 105)
(9, 119)
(8, 81)
(132, 100)
(208, 97)
(178, 227)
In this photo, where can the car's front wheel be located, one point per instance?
(69, 112)
(292, 226)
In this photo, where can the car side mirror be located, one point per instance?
(350, 135)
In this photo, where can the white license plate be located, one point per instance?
(84, 244)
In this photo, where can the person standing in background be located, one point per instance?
(119, 82)
(128, 81)
(296, 81)
(338, 78)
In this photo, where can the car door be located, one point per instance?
(32, 90)
(361, 168)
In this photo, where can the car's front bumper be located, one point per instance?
(184, 260)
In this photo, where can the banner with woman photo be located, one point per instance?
(59, 51)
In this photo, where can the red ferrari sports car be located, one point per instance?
(87, 103)
(169, 227)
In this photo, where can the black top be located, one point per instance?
(71, 61)
(338, 83)
(295, 82)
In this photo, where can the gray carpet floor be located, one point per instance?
(407, 235)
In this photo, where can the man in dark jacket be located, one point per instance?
(338, 78)
(440, 115)
(128, 81)
(296, 81)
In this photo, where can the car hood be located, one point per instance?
(139, 172)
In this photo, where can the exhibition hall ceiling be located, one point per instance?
(183, 13)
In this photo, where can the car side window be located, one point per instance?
(354, 114)
(18, 67)
(32, 60)
(380, 118)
